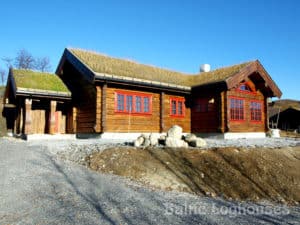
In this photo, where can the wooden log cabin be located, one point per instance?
(36, 103)
(120, 98)
(114, 96)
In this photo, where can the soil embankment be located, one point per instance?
(233, 173)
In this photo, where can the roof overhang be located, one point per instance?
(110, 78)
(26, 92)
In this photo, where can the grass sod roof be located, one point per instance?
(104, 64)
(29, 79)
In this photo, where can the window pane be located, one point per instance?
(256, 111)
(180, 108)
(173, 103)
(236, 109)
(129, 103)
(146, 105)
(138, 104)
(120, 100)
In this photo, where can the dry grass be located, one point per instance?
(104, 64)
(37, 80)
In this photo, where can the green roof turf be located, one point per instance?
(104, 64)
(29, 79)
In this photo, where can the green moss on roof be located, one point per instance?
(105, 64)
(39, 81)
(218, 75)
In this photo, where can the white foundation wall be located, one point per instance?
(231, 135)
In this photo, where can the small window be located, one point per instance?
(133, 103)
(245, 87)
(256, 111)
(177, 107)
(138, 104)
(237, 109)
(146, 104)
(129, 103)
(121, 102)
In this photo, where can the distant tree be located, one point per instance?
(42, 64)
(24, 60)
(3, 76)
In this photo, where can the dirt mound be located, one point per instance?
(233, 173)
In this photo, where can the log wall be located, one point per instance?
(123, 122)
(247, 125)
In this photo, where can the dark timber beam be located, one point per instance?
(162, 111)
(103, 107)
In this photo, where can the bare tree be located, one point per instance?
(3, 76)
(43, 64)
(24, 60)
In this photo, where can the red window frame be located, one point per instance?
(256, 111)
(237, 109)
(177, 107)
(133, 103)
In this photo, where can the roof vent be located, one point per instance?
(204, 68)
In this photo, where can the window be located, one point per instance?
(133, 103)
(138, 104)
(236, 109)
(245, 87)
(177, 107)
(256, 111)
(146, 104)
(120, 102)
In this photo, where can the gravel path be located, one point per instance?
(37, 187)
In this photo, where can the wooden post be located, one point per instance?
(52, 120)
(28, 103)
(162, 111)
(266, 112)
(74, 119)
(103, 107)
(98, 109)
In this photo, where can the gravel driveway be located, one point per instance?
(36, 187)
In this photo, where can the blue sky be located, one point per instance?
(178, 35)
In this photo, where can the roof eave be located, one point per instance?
(43, 93)
(103, 77)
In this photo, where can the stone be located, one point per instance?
(175, 132)
(139, 141)
(162, 137)
(175, 143)
(199, 142)
(146, 143)
(154, 139)
(190, 137)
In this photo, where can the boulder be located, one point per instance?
(175, 143)
(190, 137)
(154, 139)
(198, 142)
(139, 141)
(175, 132)
(146, 143)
